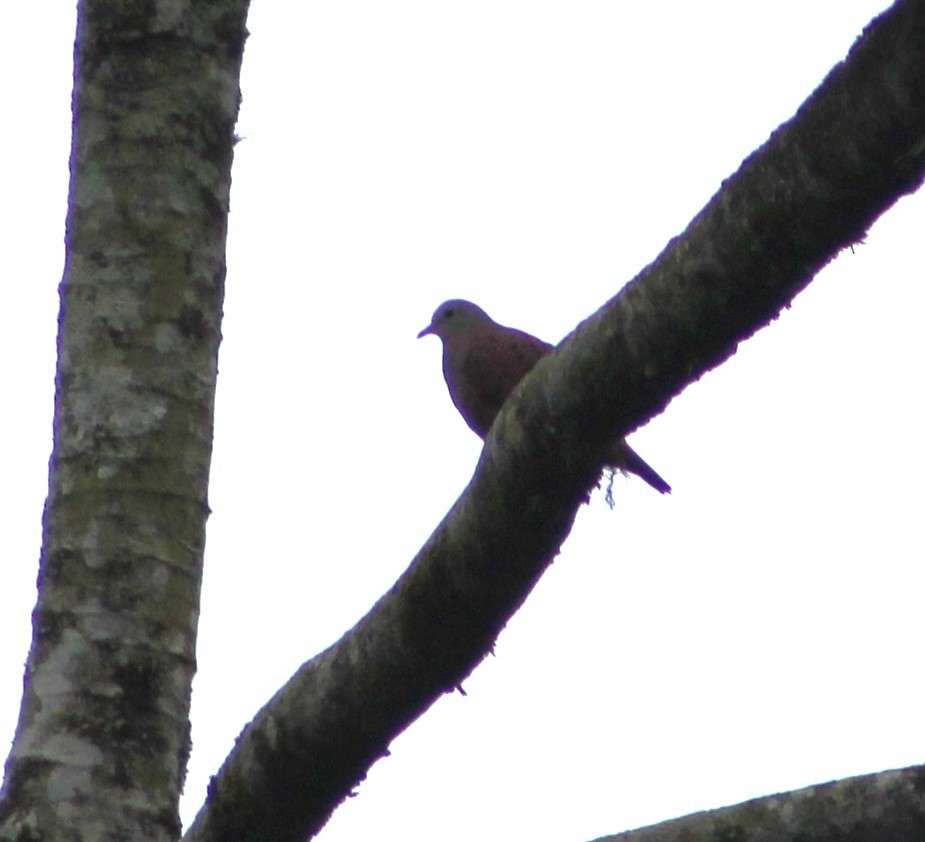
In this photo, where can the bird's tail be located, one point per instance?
(627, 459)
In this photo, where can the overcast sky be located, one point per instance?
(758, 630)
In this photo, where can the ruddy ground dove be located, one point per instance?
(483, 362)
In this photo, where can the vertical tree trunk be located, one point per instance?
(103, 735)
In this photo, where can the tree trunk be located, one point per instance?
(103, 735)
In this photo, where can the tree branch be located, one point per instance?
(870, 807)
(812, 189)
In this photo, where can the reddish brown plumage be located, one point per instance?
(483, 362)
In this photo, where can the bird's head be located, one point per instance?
(453, 318)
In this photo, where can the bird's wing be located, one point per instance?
(494, 364)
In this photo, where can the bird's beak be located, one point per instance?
(428, 329)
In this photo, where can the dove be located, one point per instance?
(482, 363)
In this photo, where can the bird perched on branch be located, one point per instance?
(483, 362)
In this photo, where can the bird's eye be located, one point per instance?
(448, 313)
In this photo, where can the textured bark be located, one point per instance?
(813, 189)
(103, 735)
(871, 808)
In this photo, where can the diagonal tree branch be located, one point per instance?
(884, 806)
(815, 187)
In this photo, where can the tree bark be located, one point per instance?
(103, 735)
(814, 188)
(869, 808)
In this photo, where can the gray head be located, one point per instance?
(455, 317)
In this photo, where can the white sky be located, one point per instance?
(758, 630)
